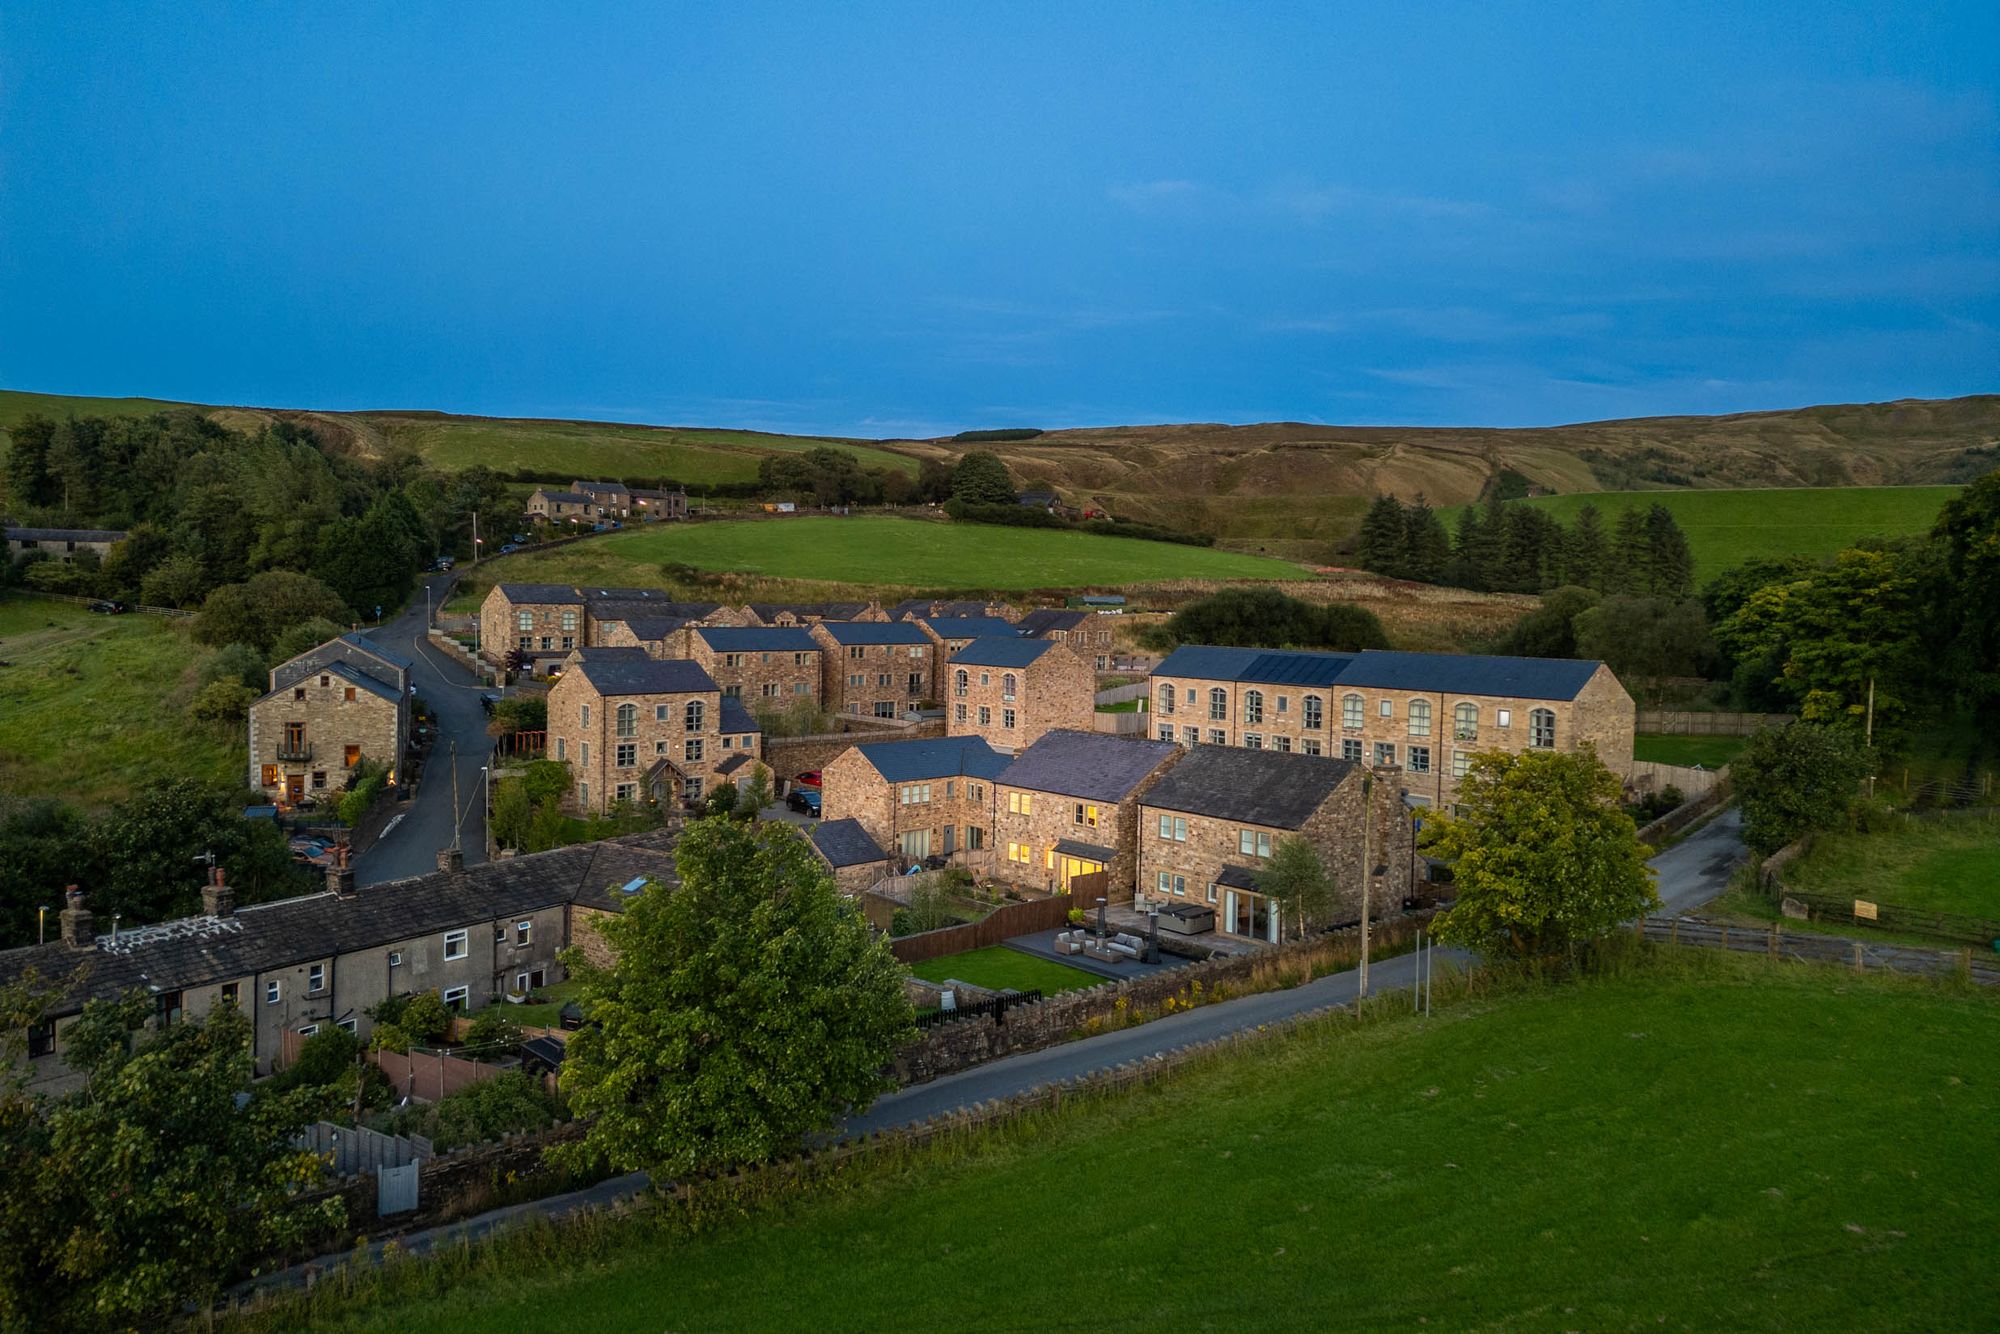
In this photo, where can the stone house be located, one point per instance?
(949, 634)
(1427, 713)
(1209, 826)
(328, 709)
(1011, 691)
(765, 667)
(802, 613)
(855, 859)
(917, 799)
(1069, 805)
(1085, 632)
(563, 506)
(636, 729)
(651, 503)
(612, 499)
(298, 965)
(538, 619)
(873, 668)
(61, 544)
(917, 609)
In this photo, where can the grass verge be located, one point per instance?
(1711, 752)
(999, 968)
(1943, 864)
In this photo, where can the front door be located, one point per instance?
(295, 788)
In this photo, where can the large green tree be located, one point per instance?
(980, 478)
(1266, 617)
(745, 1009)
(1794, 780)
(1543, 858)
(1385, 539)
(1968, 528)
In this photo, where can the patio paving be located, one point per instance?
(1042, 945)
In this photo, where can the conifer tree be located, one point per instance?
(1583, 554)
(1670, 563)
(1385, 541)
(1428, 544)
(1630, 567)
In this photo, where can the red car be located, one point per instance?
(810, 778)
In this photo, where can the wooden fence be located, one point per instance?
(1704, 722)
(175, 612)
(1981, 931)
(1139, 690)
(1003, 923)
(429, 1076)
(1692, 779)
(1777, 943)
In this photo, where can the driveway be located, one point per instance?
(1697, 869)
(411, 845)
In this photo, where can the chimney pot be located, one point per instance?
(75, 919)
(451, 859)
(217, 898)
(340, 874)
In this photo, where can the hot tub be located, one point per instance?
(1187, 919)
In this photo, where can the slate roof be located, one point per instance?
(1276, 789)
(367, 645)
(1011, 652)
(658, 596)
(1046, 620)
(874, 632)
(734, 762)
(934, 757)
(846, 843)
(346, 648)
(346, 671)
(65, 534)
(736, 718)
(1438, 673)
(541, 593)
(1236, 877)
(654, 627)
(971, 627)
(608, 488)
(201, 951)
(632, 671)
(828, 611)
(758, 639)
(1094, 766)
(1070, 847)
(562, 497)
(1208, 662)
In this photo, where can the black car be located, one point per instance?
(804, 800)
(487, 701)
(109, 606)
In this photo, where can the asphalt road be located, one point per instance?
(1697, 869)
(411, 846)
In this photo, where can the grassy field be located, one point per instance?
(1711, 752)
(878, 553)
(1726, 528)
(1948, 864)
(999, 968)
(91, 706)
(1703, 1145)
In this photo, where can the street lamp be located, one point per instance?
(486, 815)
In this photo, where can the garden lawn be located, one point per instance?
(545, 1013)
(998, 968)
(1714, 1144)
(1946, 864)
(877, 551)
(1711, 752)
(1726, 528)
(92, 708)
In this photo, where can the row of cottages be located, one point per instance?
(615, 500)
(323, 960)
(1134, 821)
(634, 728)
(61, 544)
(1424, 713)
(326, 711)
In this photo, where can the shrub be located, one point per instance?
(508, 1103)
(221, 702)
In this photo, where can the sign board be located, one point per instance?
(1864, 910)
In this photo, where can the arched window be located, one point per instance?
(1350, 711)
(959, 681)
(1313, 708)
(694, 715)
(1007, 686)
(1465, 722)
(1166, 699)
(1542, 729)
(1420, 717)
(628, 720)
(1218, 704)
(1253, 706)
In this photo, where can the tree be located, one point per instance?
(149, 846)
(237, 663)
(755, 795)
(1646, 636)
(1968, 528)
(257, 611)
(310, 633)
(226, 702)
(28, 479)
(1793, 780)
(1549, 631)
(1583, 550)
(1385, 539)
(1465, 570)
(177, 581)
(1425, 539)
(150, 1186)
(1258, 617)
(1297, 881)
(929, 906)
(1669, 563)
(933, 482)
(513, 812)
(980, 478)
(1544, 859)
(1629, 568)
(744, 1009)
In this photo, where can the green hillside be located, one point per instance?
(1726, 528)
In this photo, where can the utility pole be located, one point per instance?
(475, 537)
(457, 811)
(1871, 712)
(1367, 861)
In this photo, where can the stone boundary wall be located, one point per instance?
(1683, 815)
(458, 653)
(1009, 920)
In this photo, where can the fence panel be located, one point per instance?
(396, 1189)
(1692, 779)
(355, 1150)
(1003, 923)
(429, 1076)
(1801, 947)
(1707, 722)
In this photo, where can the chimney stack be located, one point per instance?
(451, 859)
(217, 899)
(76, 932)
(339, 874)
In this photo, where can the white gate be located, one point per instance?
(396, 1189)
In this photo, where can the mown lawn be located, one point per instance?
(874, 552)
(92, 707)
(1716, 1144)
(1726, 528)
(1947, 864)
(999, 968)
(1710, 752)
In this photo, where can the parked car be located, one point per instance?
(487, 700)
(509, 549)
(520, 538)
(810, 778)
(109, 606)
(805, 801)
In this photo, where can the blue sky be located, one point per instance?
(910, 219)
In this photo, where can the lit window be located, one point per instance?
(1465, 722)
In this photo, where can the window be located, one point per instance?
(886, 708)
(1420, 759)
(1350, 749)
(985, 716)
(319, 778)
(325, 681)
(1309, 747)
(1461, 760)
(1385, 752)
(548, 641)
(454, 997)
(1387, 708)
(395, 958)
(1166, 699)
(42, 1039)
(1253, 843)
(975, 838)
(694, 716)
(695, 750)
(273, 992)
(1084, 815)
(1253, 706)
(771, 690)
(916, 794)
(295, 739)
(1169, 883)
(1350, 711)
(986, 678)
(732, 660)
(569, 621)
(1284, 705)
(881, 678)
(915, 684)
(1217, 737)
(801, 660)
(975, 792)
(627, 720)
(1312, 711)
(454, 944)
(1007, 686)
(1192, 735)
(958, 682)
(625, 792)
(1007, 719)
(1542, 728)
(627, 754)
(270, 775)
(524, 620)
(307, 1030)
(857, 680)
(524, 931)
(1465, 722)
(350, 1024)
(232, 992)
(1174, 828)
(1281, 743)
(660, 712)
(562, 748)
(1420, 717)
(1253, 741)
(958, 713)
(316, 977)
(299, 692)
(692, 791)
(351, 756)
(583, 752)
(1218, 704)
(349, 696)
(1503, 717)
(584, 714)
(1166, 731)
(1021, 803)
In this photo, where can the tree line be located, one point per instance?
(1520, 549)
